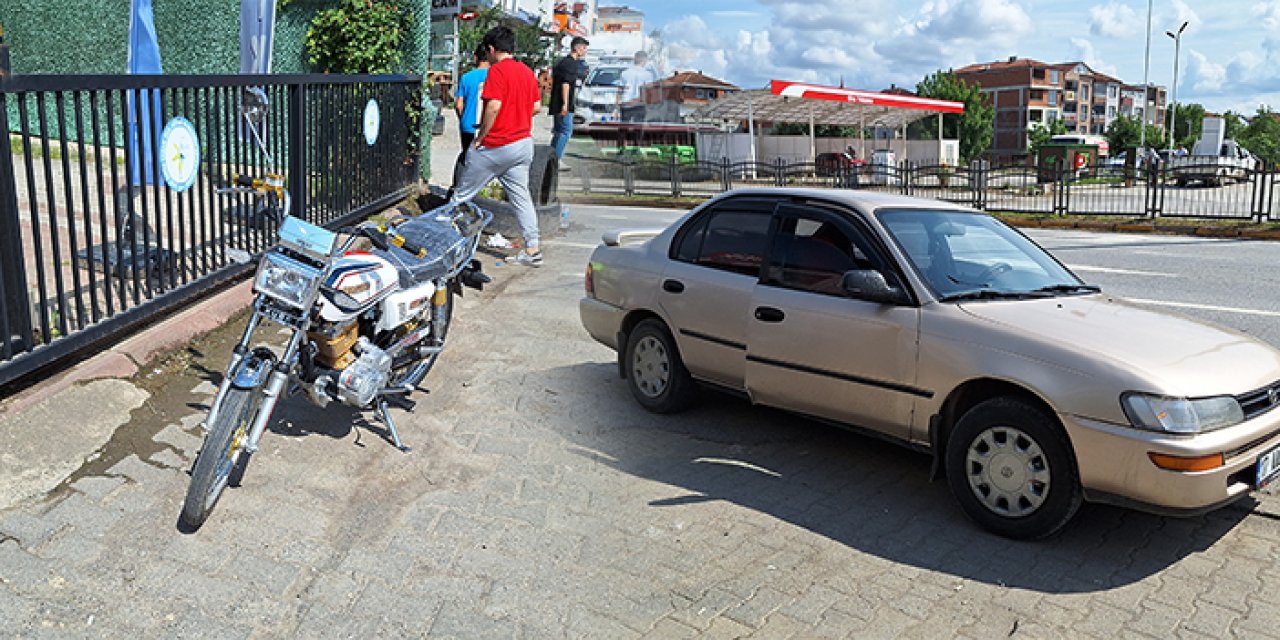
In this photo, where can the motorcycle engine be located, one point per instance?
(361, 381)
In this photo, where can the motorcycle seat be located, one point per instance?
(446, 250)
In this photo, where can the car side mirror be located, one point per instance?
(868, 284)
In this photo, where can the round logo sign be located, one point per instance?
(372, 122)
(179, 154)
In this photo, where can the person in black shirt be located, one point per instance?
(566, 79)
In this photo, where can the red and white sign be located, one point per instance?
(869, 98)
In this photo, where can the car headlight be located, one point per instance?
(1181, 415)
(286, 280)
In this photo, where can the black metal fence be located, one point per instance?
(102, 226)
(1197, 189)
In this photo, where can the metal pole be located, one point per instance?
(1146, 73)
(1173, 109)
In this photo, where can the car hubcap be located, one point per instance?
(650, 367)
(1008, 472)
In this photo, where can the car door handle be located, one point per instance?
(769, 314)
(673, 286)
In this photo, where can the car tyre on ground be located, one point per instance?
(1010, 466)
(655, 373)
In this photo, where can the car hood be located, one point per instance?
(1179, 355)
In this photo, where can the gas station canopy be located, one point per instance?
(818, 104)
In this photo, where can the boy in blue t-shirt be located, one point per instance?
(466, 102)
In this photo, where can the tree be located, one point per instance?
(533, 47)
(819, 131)
(1124, 133)
(974, 127)
(1234, 124)
(1262, 135)
(1190, 120)
(358, 36)
(1038, 134)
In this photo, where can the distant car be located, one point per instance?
(834, 164)
(944, 329)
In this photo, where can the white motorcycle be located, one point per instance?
(367, 326)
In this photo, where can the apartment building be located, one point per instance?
(1025, 91)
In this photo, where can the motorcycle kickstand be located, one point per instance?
(385, 413)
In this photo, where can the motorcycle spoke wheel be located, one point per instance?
(223, 448)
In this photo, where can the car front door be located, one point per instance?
(813, 348)
(707, 285)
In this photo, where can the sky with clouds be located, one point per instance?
(1230, 49)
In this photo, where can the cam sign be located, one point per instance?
(444, 8)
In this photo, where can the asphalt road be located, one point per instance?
(1235, 283)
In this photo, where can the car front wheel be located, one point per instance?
(1010, 467)
(655, 372)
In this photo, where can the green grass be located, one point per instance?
(55, 151)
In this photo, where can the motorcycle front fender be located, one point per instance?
(253, 371)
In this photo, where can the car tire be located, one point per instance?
(1010, 467)
(655, 372)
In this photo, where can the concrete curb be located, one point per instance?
(129, 356)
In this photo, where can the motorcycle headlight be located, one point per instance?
(287, 280)
(1181, 415)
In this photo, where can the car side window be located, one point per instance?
(731, 236)
(812, 251)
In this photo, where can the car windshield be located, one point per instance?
(973, 256)
(604, 77)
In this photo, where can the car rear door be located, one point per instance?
(707, 285)
(814, 349)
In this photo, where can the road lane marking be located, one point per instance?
(574, 245)
(1127, 272)
(1207, 307)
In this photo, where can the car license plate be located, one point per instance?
(1268, 468)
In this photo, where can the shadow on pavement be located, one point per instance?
(870, 495)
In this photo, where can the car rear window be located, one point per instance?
(732, 235)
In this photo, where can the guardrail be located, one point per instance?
(1244, 194)
(107, 221)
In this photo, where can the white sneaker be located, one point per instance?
(526, 259)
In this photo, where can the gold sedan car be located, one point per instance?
(948, 331)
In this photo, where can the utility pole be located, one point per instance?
(1173, 111)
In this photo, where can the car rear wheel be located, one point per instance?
(655, 372)
(1010, 467)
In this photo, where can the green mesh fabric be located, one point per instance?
(196, 37)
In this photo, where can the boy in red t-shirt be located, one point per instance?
(503, 143)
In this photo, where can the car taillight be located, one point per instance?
(589, 282)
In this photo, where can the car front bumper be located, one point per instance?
(1115, 465)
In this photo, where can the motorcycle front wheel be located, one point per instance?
(223, 448)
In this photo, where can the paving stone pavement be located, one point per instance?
(541, 502)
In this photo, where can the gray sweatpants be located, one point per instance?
(510, 165)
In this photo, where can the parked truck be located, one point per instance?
(1215, 160)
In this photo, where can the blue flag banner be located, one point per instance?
(144, 57)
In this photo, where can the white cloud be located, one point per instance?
(1082, 49)
(1208, 76)
(1268, 13)
(1115, 20)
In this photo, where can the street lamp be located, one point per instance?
(1173, 110)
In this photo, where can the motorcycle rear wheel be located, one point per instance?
(414, 372)
(218, 457)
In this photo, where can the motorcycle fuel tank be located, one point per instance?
(364, 278)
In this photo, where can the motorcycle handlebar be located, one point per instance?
(404, 243)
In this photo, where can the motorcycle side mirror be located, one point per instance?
(253, 104)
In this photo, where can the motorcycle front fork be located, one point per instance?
(272, 389)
